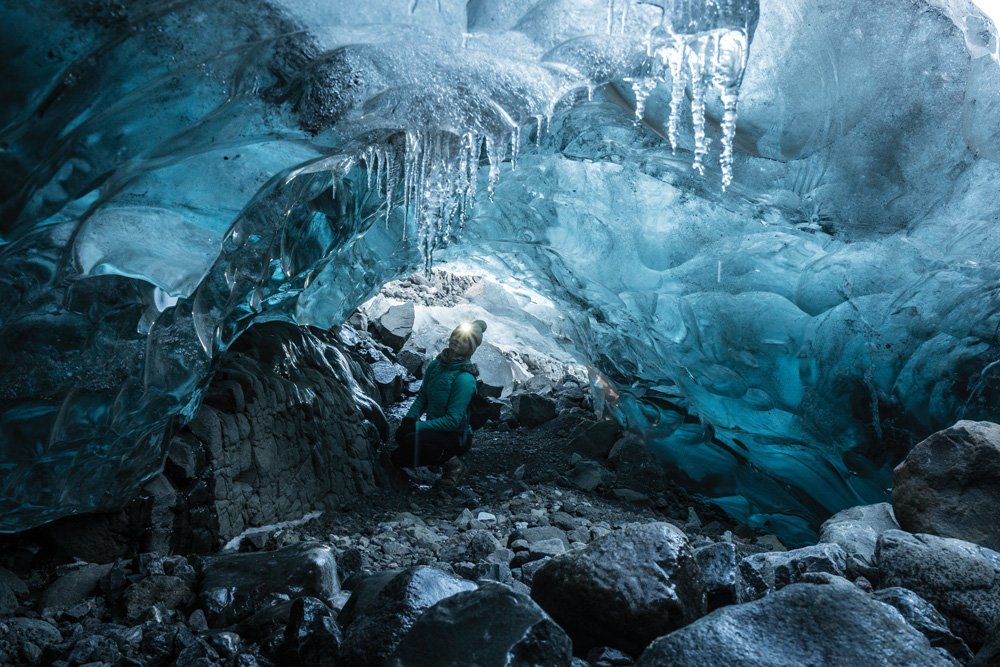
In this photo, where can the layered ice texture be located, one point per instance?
(780, 322)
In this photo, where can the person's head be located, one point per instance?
(466, 337)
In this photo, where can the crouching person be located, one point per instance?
(448, 386)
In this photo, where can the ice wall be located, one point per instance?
(780, 322)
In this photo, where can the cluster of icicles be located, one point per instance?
(433, 175)
(713, 59)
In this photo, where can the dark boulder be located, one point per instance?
(376, 625)
(717, 570)
(395, 326)
(623, 591)
(236, 586)
(802, 624)
(856, 530)
(961, 579)
(949, 485)
(763, 573)
(493, 626)
(922, 615)
(595, 439)
(312, 636)
(532, 409)
(165, 591)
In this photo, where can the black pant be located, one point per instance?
(427, 448)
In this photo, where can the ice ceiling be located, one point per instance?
(781, 321)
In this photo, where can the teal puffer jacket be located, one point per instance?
(444, 395)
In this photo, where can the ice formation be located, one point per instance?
(175, 172)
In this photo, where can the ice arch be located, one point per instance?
(175, 171)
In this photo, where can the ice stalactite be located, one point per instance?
(437, 181)
(701, 62)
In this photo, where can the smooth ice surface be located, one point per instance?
(781, 322)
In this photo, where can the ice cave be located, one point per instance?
(756, 237)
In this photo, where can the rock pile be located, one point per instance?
(570, 547)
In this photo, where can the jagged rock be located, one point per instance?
(313, 636)
(761, 574)
(236, 586)
(532, 409)
(412, 360)
(493, 626)
(961, 579)
(34, 630)
(474, 545)
(596, 440)
(717, 570)
(922, 615)
(389, 378)
(605, 656)
(537, 534)
(588, 475)
(802, 624)
(73, 586)
(395, 326)
(635, 466)
(306, 439)
(379, 623)
(857, 530)
(949, 485)
(166, 591)
(635, 584)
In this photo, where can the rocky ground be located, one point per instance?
(564, 544)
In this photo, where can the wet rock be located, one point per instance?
(717, 570)
(73, 586)
(532, 409)
(595, 440)
(623, 591)
(165, 591)
(236, 586)
(313, 636)
(802, 624)
(605, 656)
(949, 485)
(395, 326)
(924, 617)
(493, 626)
(380, 623)
(761, 574)
(961, 579)
(857, 530)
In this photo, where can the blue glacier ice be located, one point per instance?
(770, 227)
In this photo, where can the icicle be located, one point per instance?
(611, 12)
(515, 144)
(678, 77)
(642, 88)
(729, 101)
(369, 163)
(494, 157)
(696, 64)
(625, 15)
